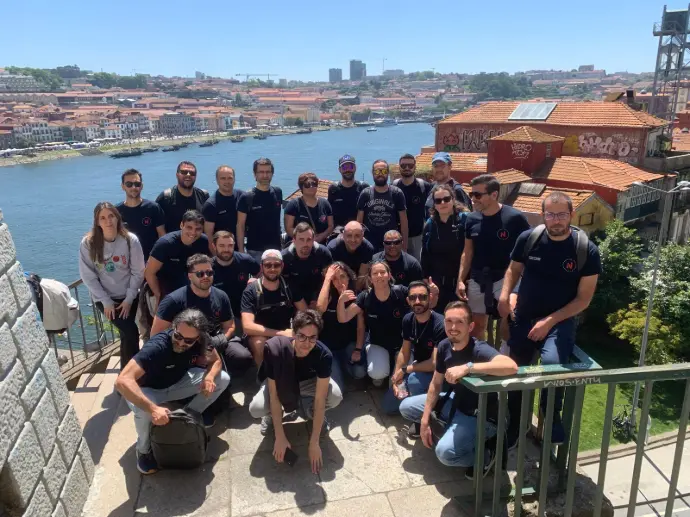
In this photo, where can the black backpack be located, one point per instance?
(581, 243)
(200, 197)
(181, 443)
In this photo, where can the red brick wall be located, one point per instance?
(523, 156)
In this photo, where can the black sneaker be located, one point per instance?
(208, 419)
(413, 430)
(469, 472)
(146, 464)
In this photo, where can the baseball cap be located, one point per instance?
(274, 254)
(346, 159)
(443, 157)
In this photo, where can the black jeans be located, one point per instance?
(129, 333)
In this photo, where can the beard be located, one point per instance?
(406, 173)
(271, 277)
(419, 308)
(380, 181)
(347, 176)
(558, 231)
(226, 256)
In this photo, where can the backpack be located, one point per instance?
(581, 243)
(182, 442)
(199, 194)
(284, 288)
(419, 181)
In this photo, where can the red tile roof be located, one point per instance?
(588, 114)
(528, 134)
(509, 176)
(470, 162)
(321, 190)
(532, 204)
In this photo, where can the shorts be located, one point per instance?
(475, 297)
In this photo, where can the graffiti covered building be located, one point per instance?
(590, 129)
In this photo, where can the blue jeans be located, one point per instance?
(341, 365)
(417, 384)
(456, 446)
(187, 386)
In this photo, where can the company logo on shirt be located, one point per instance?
(222, 212)
(396, 313)
(503, 234)
(146, 221)
(430, 344)
(400, 276)
(416, 200)
(217, 314)
(322, 218)
(569, 265)
(241, 277)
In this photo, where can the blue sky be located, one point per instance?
(303, 39)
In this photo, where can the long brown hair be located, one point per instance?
(457, 205)
(95, 236)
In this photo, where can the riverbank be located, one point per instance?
(106, 149)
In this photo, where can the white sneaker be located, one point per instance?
(377, 382)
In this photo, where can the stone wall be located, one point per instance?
(45, 465)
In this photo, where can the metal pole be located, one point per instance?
(668, 203)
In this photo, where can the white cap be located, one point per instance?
(271, 254)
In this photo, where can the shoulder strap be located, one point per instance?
(260, 294)
(168, 196)
(420, 184)
(536, 234)
(199, 197)
(250, 200)
(286, 289)
(581, 247)
(306, 207)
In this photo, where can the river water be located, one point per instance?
(49, 205)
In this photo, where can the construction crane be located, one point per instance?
(247, 76)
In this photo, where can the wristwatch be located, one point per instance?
(470, 367)
(404, 369)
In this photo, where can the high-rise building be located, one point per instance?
(335, 75)
(200, 75)
(283, 83)
(358, 70)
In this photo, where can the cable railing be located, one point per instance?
(574, 378)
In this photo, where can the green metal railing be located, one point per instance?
(575, 378)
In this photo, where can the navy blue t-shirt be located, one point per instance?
(216, 306)
(405, 270)
(550, 278)
(222, 210)
(175, 207)
(319, 214)
(423, 337)
(476, 351)
(494, 238)
(416, 195)
(272, 309)
(173, 253)
(263, 223)
(317, 363)
(384, 319)
(142, 221)
(162, 366)
(233, 279)
(343, 201)
(381, 212)
(306, 274)
(362, 255)
(336, 335)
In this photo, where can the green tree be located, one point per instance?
(103, 80)
(131, 82)
(46, 78)
(68, 71)
(663, 341)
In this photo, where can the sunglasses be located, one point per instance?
(347, 167)
(130, 184)
(444, 199)
(302, 338)
(310, 184)
(272, 265)
(380, 172)
(478, 195)
(187, 340)
(407, 166)
(396, 242)
(187, 173)
(420, 297)
(201, 274)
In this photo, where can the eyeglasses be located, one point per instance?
(478, 195)
(130, 184)
(407, 166)
(201, 274)
(187, 173)
(380, 172)
(302, 338)
(561, 216)
(187, 340)
(420, 297)
(272, 265)
(347, 167)
(310, 184)
(396, 242)
(444, 199)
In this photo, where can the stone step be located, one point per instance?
(84, 395)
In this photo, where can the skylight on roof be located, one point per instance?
(532, 111)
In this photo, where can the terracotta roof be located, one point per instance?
(594, 171)
(509, 176)
(532, 203)
(321, 190)
(605, 114)
(528, 134)
(681, 141)
(470, 162)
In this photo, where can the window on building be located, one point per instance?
(585, 219)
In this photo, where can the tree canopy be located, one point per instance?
(499, 86)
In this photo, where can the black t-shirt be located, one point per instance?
(263, 223)
(550, 278)
(176, 206)
(317, 363)
(405, 270)
(343, 201)
(216, 306)
(272, 309)
(222, 210)
(142, 221)
(319, 214)
(306, 274)
(416, 195)
(381, 212)
(494, 238)
(423, 337)
(173, 253)
(337, 335)
(162, 366)
(233, 279)
(476, 351)
(460, 195)
(384, 319)
(362, 255)
(443, 244)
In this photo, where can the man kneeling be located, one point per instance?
(297, 377)
(173, 365)
(458, 356)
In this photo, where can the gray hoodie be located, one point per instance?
(121, 274)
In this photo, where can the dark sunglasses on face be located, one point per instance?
(130, 184)
(444, 199)
(272, 265)
(477, 195)
(187, 173)
(347, 167)
(201, 274)
(420, 297)
(380, 172)
(396, 242)
(311, 184)
(187, 340)
(407, 166)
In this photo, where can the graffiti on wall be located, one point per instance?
(617, 146)
(520, 151)
(468, 140)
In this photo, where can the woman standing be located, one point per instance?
(340, 338)
(111, 264)
(315, 211)
(443, 241)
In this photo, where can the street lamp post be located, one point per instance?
(667, 196)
